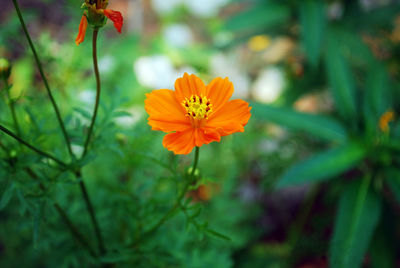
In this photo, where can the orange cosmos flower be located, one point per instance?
(195, 114)
(96, 13)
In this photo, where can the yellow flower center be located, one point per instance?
(197, 107)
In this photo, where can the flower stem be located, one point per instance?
(39, 65)
(98, 91)
(20, 140)
(93, 218)
(178, 202)
(11, 103)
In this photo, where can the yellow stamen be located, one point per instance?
(197, 107)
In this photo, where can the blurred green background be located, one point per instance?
(314, 181)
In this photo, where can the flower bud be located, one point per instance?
(5, 69)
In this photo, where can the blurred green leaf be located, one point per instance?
(377, 97)
(37, 218)
(312, 18)
(83, 112)
(317, 125)
(340, 79)
(325, 165)
(393, 180)
(7, 195)
(260, 16)
(121, 114)
(381, 254)
(218, 235)
(358, 214)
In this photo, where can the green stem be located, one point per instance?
(42, 153)
(75, 232)
(92, 214)
(39, 65)
(98, 91)
(171, 211)
(11, 103)
(72, 228)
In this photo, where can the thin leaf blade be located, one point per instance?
(340, 79)
(312, 18)
(318, 125)
(325, 165)
(358, 214)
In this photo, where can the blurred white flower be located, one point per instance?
(77, 150)
(154, 71)
(205, 8)
(268, 146)
(223, 38)
(335, 10)
(224, 66)
(87, 96)
(165, 6)
(178, 35)
(127, 121)
(106, 64)
(268, 85)
(368, 5)
(182, 70)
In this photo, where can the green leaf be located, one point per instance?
(312, 18)
(83, 112)
(382, 255)
(317, 125)
(377, 95)
(7, 195)
(260, 16)
(121, 114)
(218, 235)
(358, 214)
(340, 79)
(325, 165)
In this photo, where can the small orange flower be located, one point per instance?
(95, 13)
(195, 114)
(385, 119)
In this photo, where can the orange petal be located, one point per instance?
(231, 118)
(180, 142)
(205, 137)
(219, 91)
(165, 113)
(116, 17)
(187, 86)
(184, 142)
(82, 30)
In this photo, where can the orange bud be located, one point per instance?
(116, 18)
(82, 30)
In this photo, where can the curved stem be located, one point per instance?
(171, 211)
(42, 153)
(11, 103)
(93, 218)
(98, 91)
(39, 65)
